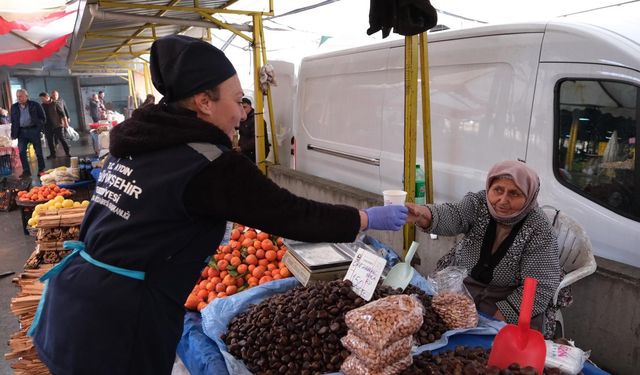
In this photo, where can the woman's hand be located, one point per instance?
(420, 215)
(498, 315)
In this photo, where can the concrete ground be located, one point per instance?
(15, 248)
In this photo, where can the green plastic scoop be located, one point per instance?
(400, 275)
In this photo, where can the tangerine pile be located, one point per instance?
(251, 258)
(43, 193)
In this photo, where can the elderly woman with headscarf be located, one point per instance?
(507, 237)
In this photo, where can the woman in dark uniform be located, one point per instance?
(159, 211)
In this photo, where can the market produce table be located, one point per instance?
(201, 354)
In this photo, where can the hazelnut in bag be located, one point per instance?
(386, 320)
(452, 301)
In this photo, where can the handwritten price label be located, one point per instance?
(364, 272)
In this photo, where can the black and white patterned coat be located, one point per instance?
(533, 253)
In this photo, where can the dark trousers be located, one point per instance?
(30, 135)
(54, 136)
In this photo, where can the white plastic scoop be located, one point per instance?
(401, 274)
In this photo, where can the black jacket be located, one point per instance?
(247, 131)
(38, 118)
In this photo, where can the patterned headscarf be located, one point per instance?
(524, 178)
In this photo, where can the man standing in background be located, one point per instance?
(94, 108)
(55, 96)
(247, 130)
(102, 108)
(56, 122)
(27, 121)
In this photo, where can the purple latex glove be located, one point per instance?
(391, 217)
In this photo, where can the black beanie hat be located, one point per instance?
(182, 66)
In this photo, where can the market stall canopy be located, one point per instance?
(111, 34)
(30, 34)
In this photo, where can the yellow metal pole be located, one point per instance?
(147, 79)
(259, 104)
(272, 122)
(573, 139)
(132, 89)
(426, 115)
(410, 121)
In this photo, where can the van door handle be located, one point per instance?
(344, 155)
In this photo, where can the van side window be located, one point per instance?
(597, 124)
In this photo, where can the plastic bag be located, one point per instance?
(386, 320)
(568, 359)
(375, 359)
(452, 300)
(353, 366)
(71, 134)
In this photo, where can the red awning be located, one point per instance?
(34, 54)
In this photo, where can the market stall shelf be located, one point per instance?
(54, 226)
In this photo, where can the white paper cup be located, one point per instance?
(394, 197)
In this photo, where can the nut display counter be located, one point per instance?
(232, 327)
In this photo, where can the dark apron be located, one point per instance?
(485, 297)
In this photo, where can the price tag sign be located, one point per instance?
(364, 273)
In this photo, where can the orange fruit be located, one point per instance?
(258, 272)
(242, 268)
(235, 234)
(220, 287)
(235, 261)
(284, 272)
(267, 244)
(192, 302)
(202, 294)
(253, 281)
(222, 264)
(229, 280)
(270, 255)
(212, 272)
(231, 289)
(251, 259)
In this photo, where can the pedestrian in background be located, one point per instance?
(27, 121)
(94, 108)
(54, 125)
(102, 106)
(55, 96)
(247, 130)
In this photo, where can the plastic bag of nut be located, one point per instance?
(386, 320)
(354, 366)
(373, 358)
(452, 300)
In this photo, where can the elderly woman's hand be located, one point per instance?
(420, 215)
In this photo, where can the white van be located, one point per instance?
(563, 96)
